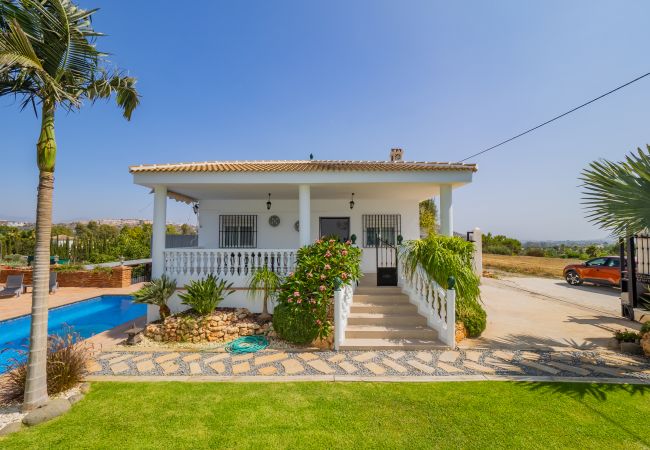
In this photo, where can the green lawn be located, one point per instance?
(349, 415)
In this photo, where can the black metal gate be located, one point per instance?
(386, 262)
(635, 274)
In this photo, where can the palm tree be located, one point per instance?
(268, 282)
(48, 58)
(157, 292)
(617, 194)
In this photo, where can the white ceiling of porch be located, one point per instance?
(417, 191)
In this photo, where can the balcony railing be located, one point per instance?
(236, 265)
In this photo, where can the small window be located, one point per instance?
(238, 231)
(596, 262)
(613, 262)
(381, 229)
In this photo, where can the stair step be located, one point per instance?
(387, 320)
(384, 308)
(392, 344)
(378, 290)
(390, 332)
(380, 299)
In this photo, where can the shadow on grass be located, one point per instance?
(581, 391)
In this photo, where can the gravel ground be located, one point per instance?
(11, 413)
(573, 360)
(145, 343)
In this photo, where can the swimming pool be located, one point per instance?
(87, 318)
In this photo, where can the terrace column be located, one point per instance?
(159, 230)
(304, 214)
(446, 211)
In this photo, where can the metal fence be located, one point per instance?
(635, 274)
(181, 240)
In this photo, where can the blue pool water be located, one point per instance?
(86, 318)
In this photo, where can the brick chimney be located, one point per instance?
(396, 154)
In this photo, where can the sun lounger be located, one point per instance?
(13, 286)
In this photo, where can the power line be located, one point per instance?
(555, 118)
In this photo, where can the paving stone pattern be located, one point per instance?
(373, 363)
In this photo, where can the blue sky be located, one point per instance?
(340, 79)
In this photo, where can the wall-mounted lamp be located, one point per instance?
(352, 201)
(268, 203)
(195, 207)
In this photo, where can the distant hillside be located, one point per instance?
(568, 243)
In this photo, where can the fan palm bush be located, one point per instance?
(268, 282)
(157, 292)
(205, 295)
(616, 195)
(48, 58)
(441, 257)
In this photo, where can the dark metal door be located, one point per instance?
(386, 262)
(338, 227)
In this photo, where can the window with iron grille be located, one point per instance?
(381, 229)
(238, 231)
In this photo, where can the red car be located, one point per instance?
(604, 270)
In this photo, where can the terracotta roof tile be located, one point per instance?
(304, 166)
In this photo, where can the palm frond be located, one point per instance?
(123, 87)
(441, 257)
(264, 280)
(615, 195)
(16, 50)
(51, 43)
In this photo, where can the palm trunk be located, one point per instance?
(265, 307)
(36, 382)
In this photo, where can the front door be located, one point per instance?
(338, 227)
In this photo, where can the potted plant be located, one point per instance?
(353, 239)
(626, 336)
(629, 341)
(157, 292)
(268, 282)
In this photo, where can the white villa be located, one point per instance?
(254, 213)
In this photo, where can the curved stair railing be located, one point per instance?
(434, 302)
(342, 303)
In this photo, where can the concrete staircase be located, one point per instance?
(382, 318)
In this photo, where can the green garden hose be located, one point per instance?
(247, 344)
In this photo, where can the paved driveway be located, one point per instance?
(542, 313)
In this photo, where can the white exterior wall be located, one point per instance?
(285, 236)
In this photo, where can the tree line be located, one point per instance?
(503, 245)
(85, 243)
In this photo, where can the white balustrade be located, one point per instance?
(434, 302)
(342, 303)
(234, 265)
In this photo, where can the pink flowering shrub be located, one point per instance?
(300, 315)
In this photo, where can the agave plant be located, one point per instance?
(616, 195)
(157, 292)
(268, 282)
(48, 58)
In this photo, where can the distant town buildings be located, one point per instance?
(11, 223)
(115, 222)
